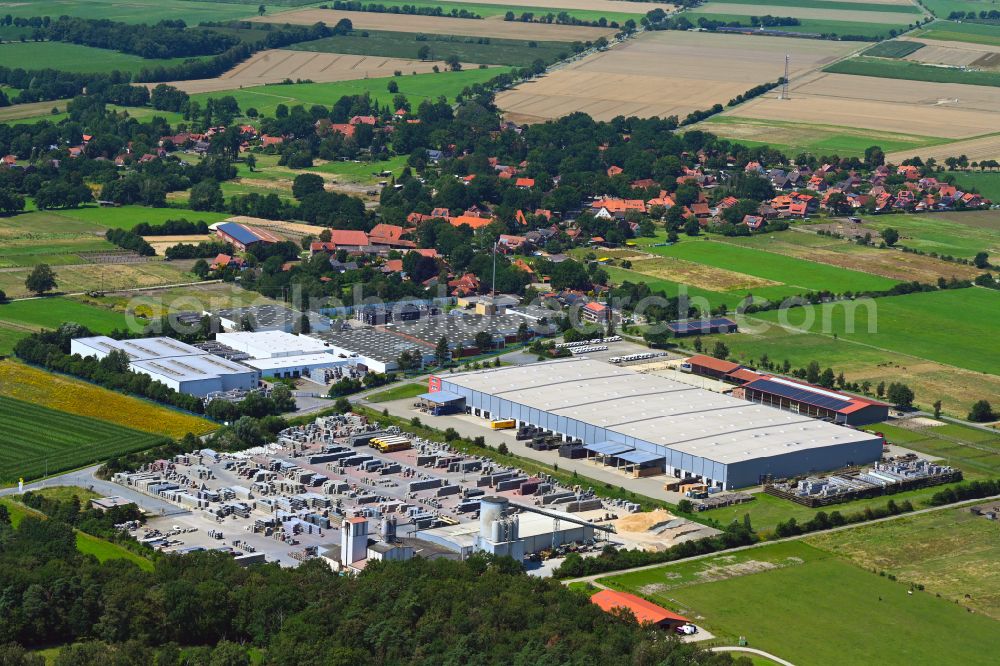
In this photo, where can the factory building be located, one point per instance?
(180, 366)
(373, 349)
(717, 439)
(502, 530)
(269, 317)
(281, 354)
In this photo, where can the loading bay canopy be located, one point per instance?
(609, 448)
(441, 397)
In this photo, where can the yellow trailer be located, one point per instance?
(504, 424)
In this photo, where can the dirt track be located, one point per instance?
(494, 27)
(276, 65)
(664, 73)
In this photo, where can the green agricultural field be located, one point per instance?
(912, 71)
(942, 8)
(957, 388)
(22, 114)
(76, 58)
(362, 172)
(488, 11)
(951, 327)
(66, 441)
(956, 234)
(814, 609)
(949, 31)
(828, 4)
(795, 137)
(986, 183)
(416, 87)
(951, 552)
(493, 51)
(134, 11)
(817, 26)
(797, 274)
(893, 49)
(49, 313)
(126, 217)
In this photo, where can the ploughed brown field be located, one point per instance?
(665, 73)
(276, 65)
(439, 25)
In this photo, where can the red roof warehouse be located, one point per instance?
(644, 611)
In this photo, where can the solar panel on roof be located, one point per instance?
(239, 232)
(799, 394)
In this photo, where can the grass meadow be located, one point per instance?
(795, 595)
(66, 441)
(956, 234)
(399, 392)
(912, 71)
(65, 394)
(986, 183)
(516, 53)
(416, 87)
(135, 11)
(50, 312)
(126, 217)
(76, 58)
(952, 553)
(952, 327)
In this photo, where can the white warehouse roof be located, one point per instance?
(141, 349)
(657, 410)
(270, 344)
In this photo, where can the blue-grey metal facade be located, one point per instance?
(732, 475)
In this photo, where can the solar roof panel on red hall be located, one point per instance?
(799, 393)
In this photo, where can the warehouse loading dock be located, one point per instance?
(702, 436)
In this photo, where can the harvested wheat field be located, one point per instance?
(892, 18)
(161, 243)
(983, 148)
(440, 25)
(664, 73)
(922, 108)
(698, 275)
(276, 65)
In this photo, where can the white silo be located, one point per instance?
(491, 509)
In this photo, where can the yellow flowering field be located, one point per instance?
(36, 386)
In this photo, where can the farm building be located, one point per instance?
(645, 612)
(687, 327)
(615, 412)
(708, 366)
(813, 401)
(180, 366)
(241, 236)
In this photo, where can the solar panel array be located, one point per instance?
(799, 394)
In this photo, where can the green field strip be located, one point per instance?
(912, 71)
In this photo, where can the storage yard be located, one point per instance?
(292, 499)
(642, 421)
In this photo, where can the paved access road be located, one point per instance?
(759, 653)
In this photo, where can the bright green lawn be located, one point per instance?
(986, 183)
(105, 550)
(955, 327)
(817, 609)
(363, 171)
(949, 31)
(76, 58)
(51, 312)
(912, 71)
(798, 274)
(942, 8)
(135, 11)
(126, 217)
(416, 87)
(399, 392)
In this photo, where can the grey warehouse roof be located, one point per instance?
(657, 410)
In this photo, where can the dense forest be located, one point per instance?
(202, 608)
